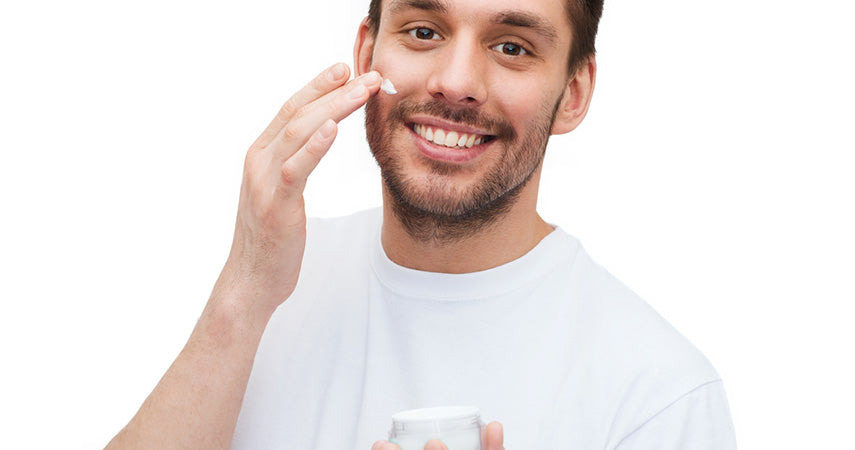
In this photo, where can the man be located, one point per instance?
(457, 292)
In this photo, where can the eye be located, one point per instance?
(424, 34)
(511, 49)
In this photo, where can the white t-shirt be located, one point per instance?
(550, 345)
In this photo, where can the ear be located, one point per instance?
(576, 98)
(363, 49)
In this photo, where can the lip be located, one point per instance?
(447, 154)
(450, 126)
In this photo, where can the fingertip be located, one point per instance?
(384, 445)
(375, 76)
(435, 444)
(338, 71)
(495, 436)
(497, 426)
(371, 78)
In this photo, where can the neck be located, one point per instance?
(509, 236)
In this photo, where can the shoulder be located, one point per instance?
(641, 360)
(698, 420)
(619, 322)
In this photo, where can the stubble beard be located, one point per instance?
(434, 210)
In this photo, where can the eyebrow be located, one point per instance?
(511, 17)
(524, 19)
(437, 6)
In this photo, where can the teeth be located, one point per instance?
(439, 137)
(471, 141)
(462, 141)
(451, 139)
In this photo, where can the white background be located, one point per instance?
(713, 175)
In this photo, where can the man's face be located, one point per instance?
(478, 85)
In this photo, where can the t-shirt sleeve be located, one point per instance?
(700, 420)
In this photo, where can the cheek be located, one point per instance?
(403, 69)
(527, 104)
(519, 106)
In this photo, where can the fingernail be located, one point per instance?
(370, 78)
(326, 129)
(336, 71)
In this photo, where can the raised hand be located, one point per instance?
(270, 232)
(196, 403)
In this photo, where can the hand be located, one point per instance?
(270, 232)
(491, 439)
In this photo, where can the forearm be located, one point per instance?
(196, 403)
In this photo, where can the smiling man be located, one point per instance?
(456, 291)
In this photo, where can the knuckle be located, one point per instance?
(287, 175)
(303, 112)
(315, 149)
(300, 113)
(249, 158)
(289, 108)
(290, 131)
(255, 191)
(250, 162)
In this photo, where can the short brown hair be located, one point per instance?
(584, 16)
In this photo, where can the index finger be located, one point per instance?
(328, 80)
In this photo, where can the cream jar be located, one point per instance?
(458, 427)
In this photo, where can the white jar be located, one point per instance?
(458, 427)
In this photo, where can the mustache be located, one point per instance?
(405, 109)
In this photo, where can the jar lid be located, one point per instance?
(443, 418)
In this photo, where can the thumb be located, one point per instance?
(435, 444)
(384, 445)
(495, 436)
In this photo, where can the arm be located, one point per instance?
(196, 403)
(700, 420)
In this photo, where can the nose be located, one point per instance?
(457, 75)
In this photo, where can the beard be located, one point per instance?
(433, 209)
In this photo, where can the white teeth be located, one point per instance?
(462, 141)
(471, 141)
(439, 137)
(451, 139)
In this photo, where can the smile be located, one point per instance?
(449, 138)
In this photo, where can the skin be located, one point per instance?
(463, 70)
(491, 439)
(186, 410)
